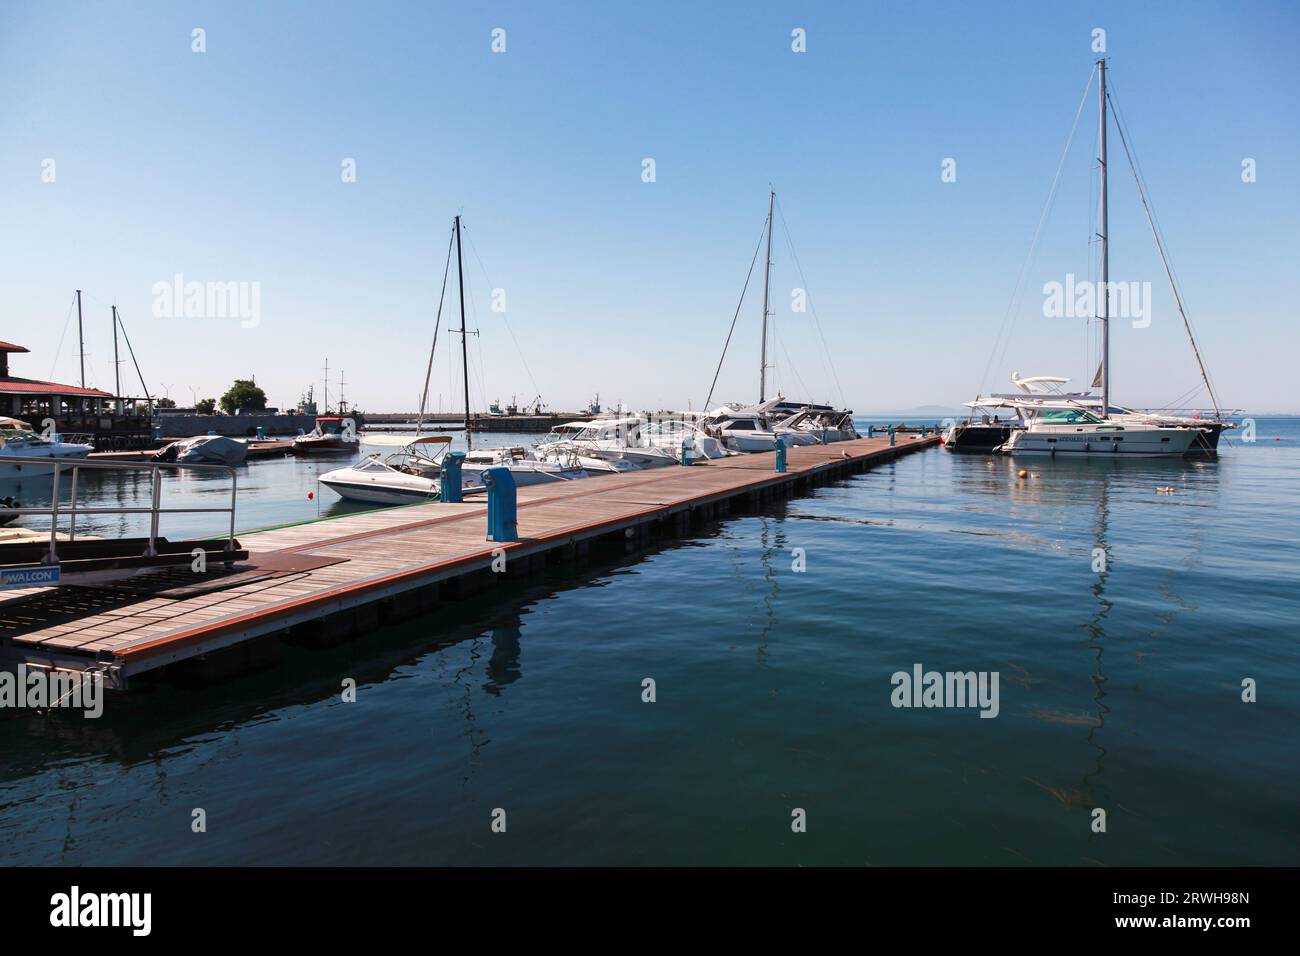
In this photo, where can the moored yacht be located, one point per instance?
(1051, 421)
(1066, 430)
(17, 440)
(331, 434)
(749, 428)
(408, 476)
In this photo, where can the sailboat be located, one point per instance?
(1066, 425)
(754, 428)
(415, 473)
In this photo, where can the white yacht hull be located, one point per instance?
(380, 489)
(751, 442)
(1130, 441)
(64, 452)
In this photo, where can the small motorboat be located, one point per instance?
(409, 476)
(331, 434)
(205, 450)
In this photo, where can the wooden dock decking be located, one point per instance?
(353, 572)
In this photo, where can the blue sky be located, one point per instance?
(225, 166)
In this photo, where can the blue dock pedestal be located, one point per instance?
(451, 465)
(157, 433)
(891, 436)
(261, 433)
(871, 431)
(212, 432)
(780, 453)
(688, 445)
(502, 510)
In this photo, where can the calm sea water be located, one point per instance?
(1120, 690)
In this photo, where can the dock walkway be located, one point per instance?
(351, 573)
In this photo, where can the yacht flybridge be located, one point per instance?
(1041, 418)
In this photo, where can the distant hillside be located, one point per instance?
(920, 411)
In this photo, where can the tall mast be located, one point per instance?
(464, 347)
(117, 368)
(81, 341)
(1103, 226)
(767, 275)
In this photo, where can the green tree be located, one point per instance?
(243, 394)
(206, 406)
(165, 403)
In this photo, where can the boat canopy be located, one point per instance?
(405, 441)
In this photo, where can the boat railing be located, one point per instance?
(155, 510)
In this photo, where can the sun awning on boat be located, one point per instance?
(404, 440)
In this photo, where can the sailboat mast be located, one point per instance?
(464, 346)
(767, 276)
(1104, 231)
(117, 369)
(81, 341)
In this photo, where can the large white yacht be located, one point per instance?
(1056, 423)
(1065, 429)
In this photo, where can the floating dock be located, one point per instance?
(328, 579)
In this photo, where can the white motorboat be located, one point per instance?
(332, 434)
(677, 435)
(17, 440)
(748, 428)
(525, 467)
(408, 476)
(824, 423)
(205, 450)
(608, 439)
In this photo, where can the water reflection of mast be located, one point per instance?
(766, 554)
(1096, 631)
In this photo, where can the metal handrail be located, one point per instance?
(155, 509)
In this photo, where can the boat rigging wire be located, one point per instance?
(1160, 247)
(509, 327)
(428, 371)
(1003, 339)
(826, 352)
(67, 321)
(749, 275)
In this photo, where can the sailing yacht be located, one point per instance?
(754, 428)
(1064, 424)
(415, 473)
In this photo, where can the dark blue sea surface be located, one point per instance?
(1119, 689)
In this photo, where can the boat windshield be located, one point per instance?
(1068, 416)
